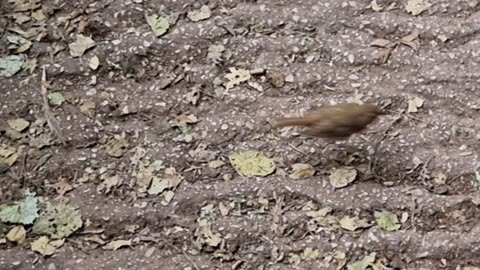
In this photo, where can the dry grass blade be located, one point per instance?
(51, 121)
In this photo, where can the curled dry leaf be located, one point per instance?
(215, 53)
(362, 264)
(300, 171)
(198, 15)
(88, 108)
(8, 156)
(81, 45)
(277, 79)
(236, 77)
(417, 7)
(46, 247)
(382, 43)
(17, 234)
(114, 245)
(352, 223)
(414, 105)
(194, 95)
(310, 254)
(18, 124)
(388, 221)
(94, 63)
(341, 177)
(158, 24)
(411, 40)
(117, 146)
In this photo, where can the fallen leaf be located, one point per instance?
(23, 212)
(215, 53)
(214, 164)
(88, 108)
(352, 223)
(411, 40)
(94, 63)
(300, 171)
(236, 77)
(194, 95)
(81, 45)
(117, 145)
(383, 55)
(342, 176)
(19, 43)
(56, 98)
(224, 210)
(376, 7)
(168, 196)
(58, 221)
(387, 221)
(114, 245)
(310, 254)
(417, 7)
(362, 264)
(109, 182)
(198, 15)
(252, 163)
(62, 187)
(10, 65)
(205, 234)
(414, 105)
(45, 247)
(158, 24)
(17, 234)
(277, 79)
(158, 185)
(18, 124)
(38, 15)
(382, 43)
(319, 213)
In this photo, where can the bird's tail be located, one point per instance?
(293, 121)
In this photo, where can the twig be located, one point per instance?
(51, 121)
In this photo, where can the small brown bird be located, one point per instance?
(337, 122)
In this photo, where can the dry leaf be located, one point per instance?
(417, 7)
(214, 164)
(194, 95)
(17, 234)
(117, 146)
(215, 53)
(45, 247)
(277, 79)
(18, 124)
(8, 156)
(88, 108)
(352, 223)
(300, 171)
(79, 46)
(114, 245)
(383, 43)
(94, 63)
(341, 177)
(224, 210)
(236, 77)
(411, 40)
(414, 105)
(198, 15)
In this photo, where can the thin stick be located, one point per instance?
(51, 121)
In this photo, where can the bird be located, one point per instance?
(334, 122)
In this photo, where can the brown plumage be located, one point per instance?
(335, 122)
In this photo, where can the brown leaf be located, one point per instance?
(382, 43)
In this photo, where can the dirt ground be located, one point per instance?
(426, 161)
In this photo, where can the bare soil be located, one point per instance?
(323, 48)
